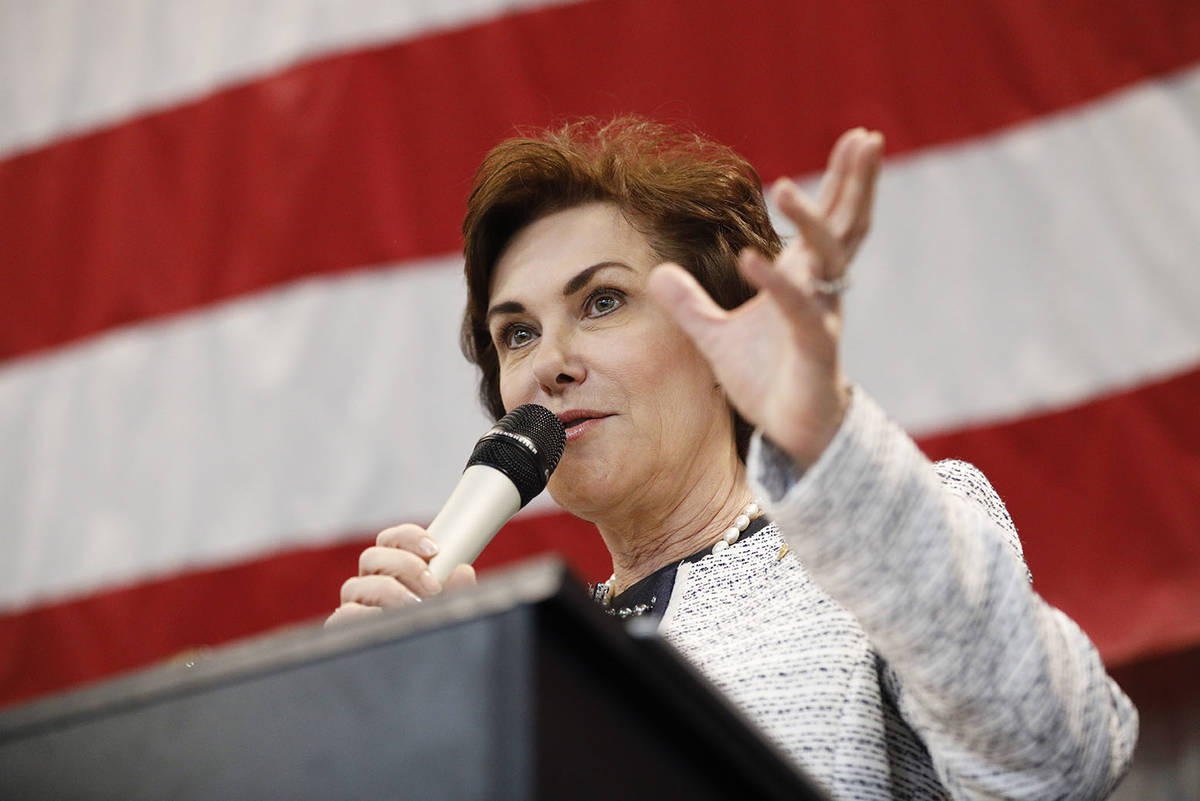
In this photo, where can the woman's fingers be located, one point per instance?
(834, 225)
(410, 537)
(815, 231)
(403, 552)
(395, 572)
(850, 216)
(382, 591)
(789, 289)
(460, 577)
(677, 291)
(404, 566)
(351, 611)
(833, 181)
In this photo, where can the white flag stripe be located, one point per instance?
(996, 283)
(326, 407)
(128, 57)
(1005, 276)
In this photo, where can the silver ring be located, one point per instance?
(832, 288)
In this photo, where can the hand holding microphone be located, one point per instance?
(509, 466)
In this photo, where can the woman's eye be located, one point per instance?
(602, 303)
(516, 336)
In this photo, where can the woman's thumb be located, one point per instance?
(681, 295)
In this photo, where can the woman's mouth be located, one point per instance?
(579, 422)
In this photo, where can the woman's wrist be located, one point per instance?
(814, 437)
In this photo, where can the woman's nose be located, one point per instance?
(557, 364)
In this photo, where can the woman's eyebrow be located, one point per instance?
(507, 307)
(580, 280)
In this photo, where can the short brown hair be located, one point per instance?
(697, 202)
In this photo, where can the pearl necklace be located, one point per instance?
(728, 537)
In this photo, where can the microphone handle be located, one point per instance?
(481, 503)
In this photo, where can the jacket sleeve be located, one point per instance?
(1008, 694)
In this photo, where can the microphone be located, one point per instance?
(510, 465)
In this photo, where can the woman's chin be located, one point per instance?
(582, 490)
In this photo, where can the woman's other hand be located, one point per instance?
(395, 572)
(776, 355)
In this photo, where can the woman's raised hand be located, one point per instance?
(776, 355)
(395, 572)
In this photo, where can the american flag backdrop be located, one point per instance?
(230, 281)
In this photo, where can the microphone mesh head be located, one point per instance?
(525, 445)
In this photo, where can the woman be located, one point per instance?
(878, 620)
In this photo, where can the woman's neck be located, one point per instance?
(666, 524)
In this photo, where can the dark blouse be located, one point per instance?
(648, 597)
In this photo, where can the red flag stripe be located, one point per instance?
(226, 195)
(63, 644)
(154, 54)
(1046, 468)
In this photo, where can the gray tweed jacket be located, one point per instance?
(898, 649)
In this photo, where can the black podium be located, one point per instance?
(519, 688)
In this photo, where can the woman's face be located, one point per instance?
(576, 331)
